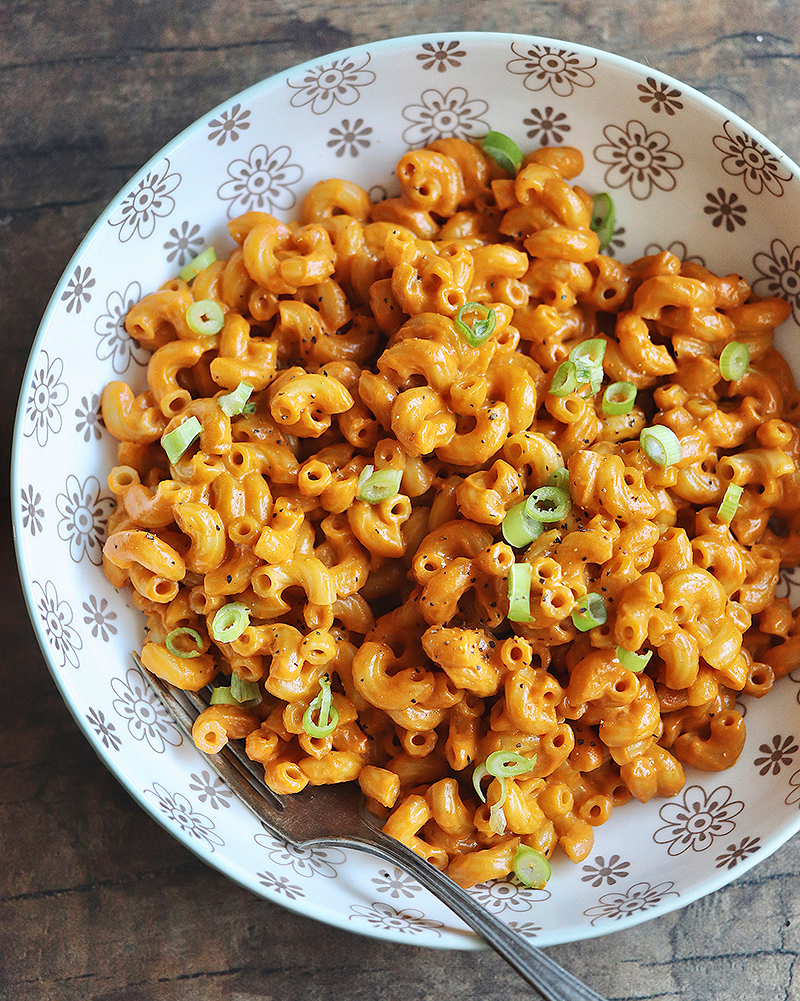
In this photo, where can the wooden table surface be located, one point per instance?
(96, 900)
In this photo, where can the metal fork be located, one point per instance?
(335, 815)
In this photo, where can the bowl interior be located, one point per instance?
(685, 175)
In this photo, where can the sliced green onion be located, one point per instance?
(480, 773)
(589, 611)
(176, 442)
(587, 357)
(548, 504)
(205, 317)
(230, 622)
(565, 379)
(635, 662)
(245, 691)
(519, 529)
(734, 360)
(519, 593)
(603, 218)
(497, 817)
(234, 403)
(619, 398)
(481, 329)
(200, 263)
(531, 867)
(379, 486)
(327, 714)
(559, 478)
(661, 445)
(169, 642)
(222, 697)
(249, 407)
(503, 151)
(509, 764)
(730, 502)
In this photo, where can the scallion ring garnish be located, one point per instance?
(565, 380)
(222, 697)
(587, 357)
(503, 151)
(230, 622)
(379, 486)
(200, 263)
(730, 502)
(233, 403)
(497, 817)
(519, 529)
(509, 764)
(205, 317)
(589, 612)
(481, 329)
(619, 398)
(548, 504)
(661, 445)
(245, 691)
(478, 775)
(519, 593)
(327, 713)
(177, 441)
(175, 650)
(603, 218)
(559, 478)
(531, 867)
(635, 662)
(734, 360)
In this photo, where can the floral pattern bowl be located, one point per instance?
(685, 174)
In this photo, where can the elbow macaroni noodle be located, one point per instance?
(344, 325)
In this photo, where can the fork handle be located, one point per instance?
(551, 981)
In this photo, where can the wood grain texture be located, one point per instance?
(96, 900)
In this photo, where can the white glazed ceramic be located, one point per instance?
(685, 174)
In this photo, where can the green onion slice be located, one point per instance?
(519, 529)
(249, 407)
(378, 486)
(245, 691)
(230, 622)
(587, 357)
(176, 651)
(205, 317)
(559, 478)
(635, 662)
(234, 403)
(589, 611)
(661, 445)
(478, 775)
(519, 593)
(176, 442)
(531, 867)
(503, 151)
(565, 379)
(730, 502)
(327, 714)
(222, 697)
(200, 263)
(509, 764)
(497, 817)
(619, 398)
(734, 360)
(481, 329)
(548, 504)
(603, 218)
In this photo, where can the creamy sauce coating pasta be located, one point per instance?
(396, 611)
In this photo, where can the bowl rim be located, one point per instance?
(452, 938)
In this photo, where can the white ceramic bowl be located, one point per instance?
(685, 174)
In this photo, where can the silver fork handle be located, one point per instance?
(548, 979)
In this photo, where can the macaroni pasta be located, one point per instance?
(416, 343)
